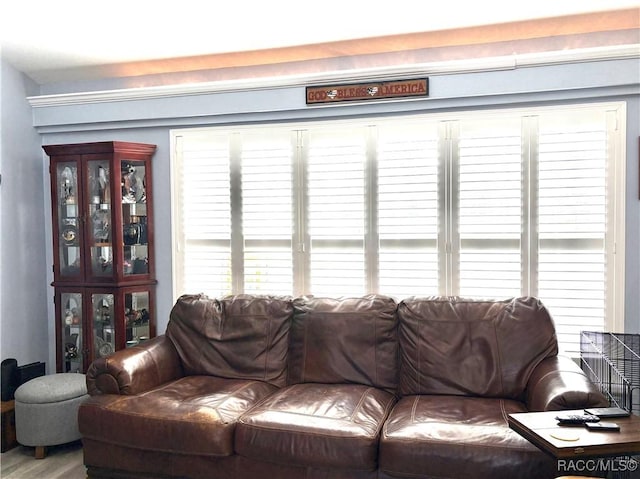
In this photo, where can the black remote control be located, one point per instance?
(576, 418)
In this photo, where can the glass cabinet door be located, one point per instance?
(69, 230)
(137, 317)
(134, 217)
(104, 332)
(99, 219)
(71, 327)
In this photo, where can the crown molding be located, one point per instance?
(510, 62)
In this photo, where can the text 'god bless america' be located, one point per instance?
(367, 91)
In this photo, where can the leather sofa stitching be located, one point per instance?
(409, 474)
(156, 366)
(269, 344)
(563, 371)
(503, 412)
(359, 405)
(499, 355)
(418, 364)
(163, 418)
(303, 432)
(375, 349)
(304, 351)
(523, 448)
(413, 409)
(168, 451)
(206, 314)
(387, 410)
(230, 395)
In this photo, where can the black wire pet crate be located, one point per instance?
(612, 362)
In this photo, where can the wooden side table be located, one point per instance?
(541, 429)
(8, 440)
(569, 443)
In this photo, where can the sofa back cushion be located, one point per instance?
(470, 347)
(238, 337)
(344, 340)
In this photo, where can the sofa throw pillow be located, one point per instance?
(344, 340)
(471, 347)
(240, 337)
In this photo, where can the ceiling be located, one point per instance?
(47, 39)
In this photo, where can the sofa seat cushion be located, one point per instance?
(424, 434)
(192, 415)
(318, 425)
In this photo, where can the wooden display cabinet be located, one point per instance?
(103, 268)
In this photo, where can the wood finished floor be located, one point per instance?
(61, 462)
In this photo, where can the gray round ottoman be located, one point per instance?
(46, 410)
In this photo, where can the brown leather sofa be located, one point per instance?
(319, 388)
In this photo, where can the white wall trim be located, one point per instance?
(380, 74)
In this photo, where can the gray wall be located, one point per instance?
(26, 331)
(150, 120)
(632, 217)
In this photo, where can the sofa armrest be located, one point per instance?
(134, 370)
(558, 383)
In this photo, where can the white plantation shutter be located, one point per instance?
(336, 212)
(498, 205)
(206, 214)
(267, 213)
(490, 209)
(572, 219)
(408, 210)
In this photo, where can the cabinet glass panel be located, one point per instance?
(69, 219)
(136, 312)
(99, 217)
(104, 333)
(134, 217)
(71, 327)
